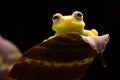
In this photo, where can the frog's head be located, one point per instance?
(68, 23)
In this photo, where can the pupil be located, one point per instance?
(79, 14)
(55, 17)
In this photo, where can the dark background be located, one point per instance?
(29, 23)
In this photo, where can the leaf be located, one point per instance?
(9, 54)
(63, 57)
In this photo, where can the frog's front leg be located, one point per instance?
(94, 31)
(88, 33)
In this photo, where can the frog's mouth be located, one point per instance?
(69, 28)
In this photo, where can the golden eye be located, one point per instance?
(78, 15)
(56, 18)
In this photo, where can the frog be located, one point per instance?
(71, 23)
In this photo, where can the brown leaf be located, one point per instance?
(63, 57)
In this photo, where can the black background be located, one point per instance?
(29, 23)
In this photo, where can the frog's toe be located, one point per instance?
(94, 31)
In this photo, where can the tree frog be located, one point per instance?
(71, 23)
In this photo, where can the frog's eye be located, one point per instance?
(78, 15)
(56, 17)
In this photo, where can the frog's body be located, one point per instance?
(71, 23)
